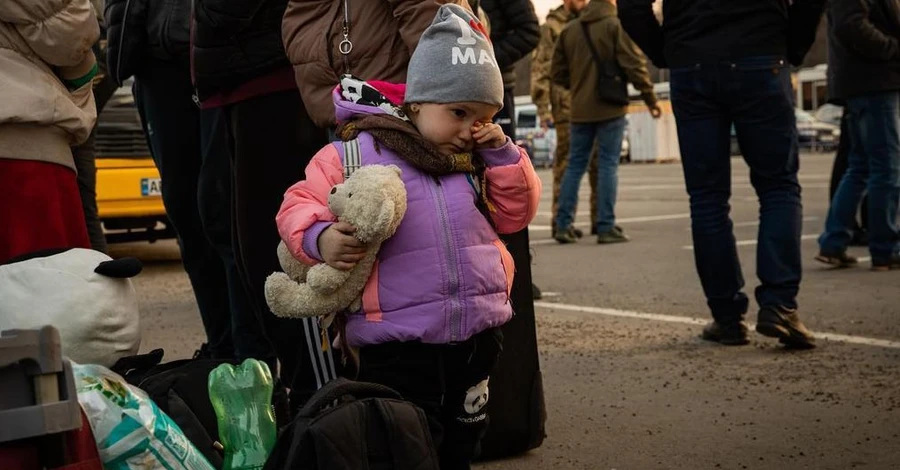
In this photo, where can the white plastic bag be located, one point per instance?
(131, 431)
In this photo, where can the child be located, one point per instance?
(440, 288)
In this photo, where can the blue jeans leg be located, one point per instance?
(581, 142)
(609, 136)
(880, 127)
(874, 166)
(841, 217)
(704, 138)
(765, 124)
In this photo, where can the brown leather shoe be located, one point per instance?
(784, 324)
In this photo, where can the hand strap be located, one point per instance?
(341, 387)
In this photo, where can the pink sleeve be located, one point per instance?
(514, 188)
(306, 202)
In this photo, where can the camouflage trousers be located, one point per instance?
(561, 161)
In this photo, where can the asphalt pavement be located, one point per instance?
(628, 382)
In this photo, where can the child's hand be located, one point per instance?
(339, 248)
(488, 135)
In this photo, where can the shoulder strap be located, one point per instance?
(590, 43)
(341, 387)
(352, 157)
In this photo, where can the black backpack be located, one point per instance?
(180, 390)
(351, 425)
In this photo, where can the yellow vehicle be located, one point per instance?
(128, 187)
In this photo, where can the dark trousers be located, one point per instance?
(449, 382)
(190, 150)
(874, 169)
(841, 163)
(755, 96)
(272, 140)
(86, 167)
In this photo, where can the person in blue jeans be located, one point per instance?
(729, 66)
(575, 67)
(867, 76)
(608, 135)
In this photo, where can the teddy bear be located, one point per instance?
(372, 199)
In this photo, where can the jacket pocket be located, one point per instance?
(371, 306)
(509, 266)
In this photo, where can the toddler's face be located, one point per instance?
(449, 127)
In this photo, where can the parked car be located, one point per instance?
(830, 113)
(129, 200)
(541, 143)
(815, 134)
(812, 133)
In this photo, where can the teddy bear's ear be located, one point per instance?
(385, 219)
(396, 169)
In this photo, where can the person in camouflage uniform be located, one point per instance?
(552, 101)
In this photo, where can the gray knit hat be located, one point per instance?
(454, 62)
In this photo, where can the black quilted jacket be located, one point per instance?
(235, 41)
(145, 28)
(514, 31)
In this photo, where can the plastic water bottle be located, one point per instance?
(242, 399)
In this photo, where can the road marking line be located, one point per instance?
(649, 187)
(810, 236)
(883, 343)
(754, 223)
(630, 220)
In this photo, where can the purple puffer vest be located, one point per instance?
(444, 276)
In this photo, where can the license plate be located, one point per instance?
(151, 187)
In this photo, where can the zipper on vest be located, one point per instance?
(450, 256)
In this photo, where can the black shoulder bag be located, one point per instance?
(612, 87)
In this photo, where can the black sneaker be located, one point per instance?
(784, 324)
(566, 236)
(577, 231)
(729, 334)
(838, 260)
(887, 264)
(616, 235)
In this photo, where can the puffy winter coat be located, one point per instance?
(140, 28)
(444, 275)
(235, 41)
(515, 32)
(42, 44)
(384, 35)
